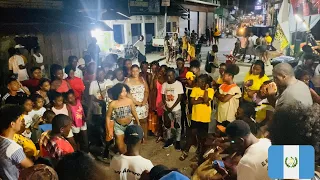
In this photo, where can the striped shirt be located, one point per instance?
(11, 155)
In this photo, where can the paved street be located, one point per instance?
(225, 47)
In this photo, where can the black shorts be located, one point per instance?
(202, 128)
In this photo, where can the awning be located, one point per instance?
(39, 20)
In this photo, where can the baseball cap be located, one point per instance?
(133, 134)
(174, 175)
(18, 46)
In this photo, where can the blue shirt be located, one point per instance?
(45, 127)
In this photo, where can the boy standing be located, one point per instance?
(131, 165)
(172, 92)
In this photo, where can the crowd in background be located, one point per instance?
(116, 106)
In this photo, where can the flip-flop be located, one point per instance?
(183, 156)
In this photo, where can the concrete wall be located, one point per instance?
(157, 20)
(202, 22)
(193, 21)
(183, 23)
(210, 21)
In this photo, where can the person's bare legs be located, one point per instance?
(120, 144)
(84, 144)
(144, 125)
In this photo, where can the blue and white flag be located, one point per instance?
(291, 162)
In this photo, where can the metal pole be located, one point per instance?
(165, 22)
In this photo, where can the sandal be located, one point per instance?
(183, 156)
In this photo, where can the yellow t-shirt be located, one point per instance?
(257, 83)
(28, 146)
(184, 43)
(191, 51)
(227, 110)
(201, 112)
(217, 33)
(268, 39)
(219, 80)
(261, 112)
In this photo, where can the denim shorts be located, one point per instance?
(119, 129)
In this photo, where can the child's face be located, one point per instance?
(305, 79)
(58, 101)
(222, 69)
(28, 105)
(39, 103)
(171, 77)
(256, 69)
(240, 113)
(227, 77)
(49, 119)
(195, 70)
(71, 98)
(201, 83)
(154, 68)
(45, 86)
(14, 86)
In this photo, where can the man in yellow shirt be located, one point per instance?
(201, 97)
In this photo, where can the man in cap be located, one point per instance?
(254, 162)
(131, 165)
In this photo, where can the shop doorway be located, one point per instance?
(118, 33)
(135, 32)
(149, 32)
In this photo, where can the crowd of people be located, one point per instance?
(49, 126)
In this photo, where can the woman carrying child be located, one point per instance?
(58, 83)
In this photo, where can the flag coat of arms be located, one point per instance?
(291, 162)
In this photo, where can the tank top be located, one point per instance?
(39, 59)
(77, 114)
(63, 110)
(63, 87)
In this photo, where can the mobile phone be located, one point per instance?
(220, 163)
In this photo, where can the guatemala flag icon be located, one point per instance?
(291, 162)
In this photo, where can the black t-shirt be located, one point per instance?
(18, 99)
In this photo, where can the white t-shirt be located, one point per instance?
(171, 91)
(116, 81)
(140, 46)
(129, 167)
(254, 163)
(94, 87)
(252, 40)
(14, 63)
(35, 114)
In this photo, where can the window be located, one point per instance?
(118, 33)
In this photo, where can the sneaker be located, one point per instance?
(177, 146)
(168, 143)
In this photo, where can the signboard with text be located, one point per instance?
(144, 7)
(31, 4)
(165, 3)
(305, 7)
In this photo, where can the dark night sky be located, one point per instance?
(247, 5)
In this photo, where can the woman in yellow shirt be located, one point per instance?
(268, 39)
(191, 51)
(254, 79)
(216, 36)
(201, 97)
(184, 45)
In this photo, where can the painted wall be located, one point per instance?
(183, 23)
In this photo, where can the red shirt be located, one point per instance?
(31, 84)
(182, 75)
(54, 147)
(77, 86)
